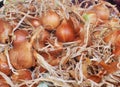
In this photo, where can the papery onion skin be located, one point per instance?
(5, 31)
(50, 20)
(65, 32)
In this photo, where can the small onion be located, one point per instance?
(50, 20)
(44, 36)
(5, 31)
(3, 65)
(65, 31)
(102, 11)
(41, 39)
(21, 56)
(35, 22)
(91, 17)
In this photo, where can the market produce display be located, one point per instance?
(59, 43)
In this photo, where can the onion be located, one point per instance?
(5, 31)
(41, 39)
(65, 32)
(23, 74)
(102, 11)
(35, 22)
(50, 20)
(44, 36)
(3, 65)
(21, 56)
(91, 17)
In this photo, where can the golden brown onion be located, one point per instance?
(65, 31)
(4, 65)
(102, 11)
(35, 22)
(21, 56)
(5, 31)
(50, 20)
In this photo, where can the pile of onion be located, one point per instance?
(60, 43)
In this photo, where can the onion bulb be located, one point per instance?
(65, 31)
(5, 31)
(102, 12)
(90, 17)
(50, 20)
(3, 64)
(41, 39)
(21, 56)
(35, 22)
(44, 36)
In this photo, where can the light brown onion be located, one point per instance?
(92, 17)
(35, 22)
(44, 36)
(50, 20)
(102, 11)
(4, 65)
(65, 31)
(21, 56)
(5, 31)
(41, 39)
